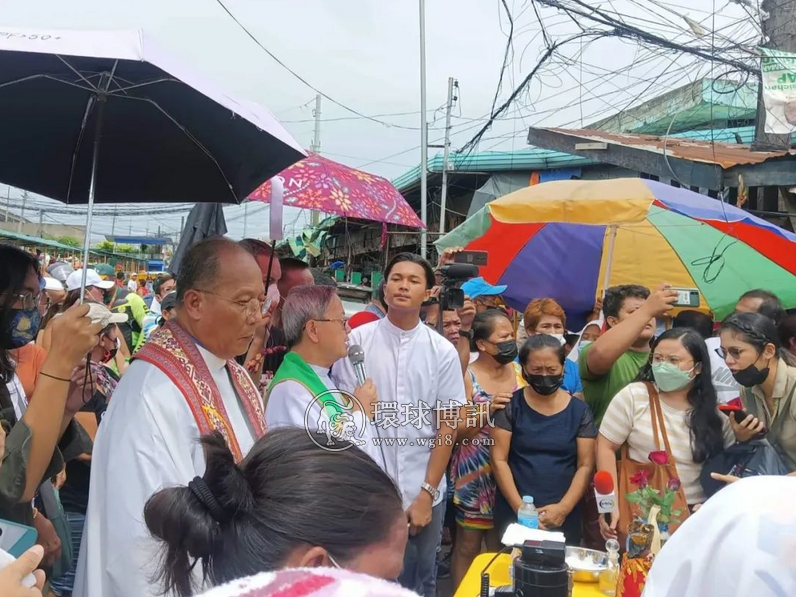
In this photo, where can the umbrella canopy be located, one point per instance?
(167, 134)
(571, 239)
(325, 185)
(204, 221)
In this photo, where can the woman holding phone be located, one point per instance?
(751, 348)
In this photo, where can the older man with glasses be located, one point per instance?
(316, 330)
(184, 383)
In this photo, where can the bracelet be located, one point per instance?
(65, 379)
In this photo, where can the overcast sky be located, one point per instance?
(364, 54)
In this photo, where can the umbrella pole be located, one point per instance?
(100, 98)
(610, 260)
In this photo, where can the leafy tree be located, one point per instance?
(70, 241)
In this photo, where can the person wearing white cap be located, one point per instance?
(95, 286)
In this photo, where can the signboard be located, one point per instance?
(779, 90)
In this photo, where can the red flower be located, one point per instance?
(641, 478)
(673, 484)
(659, 457)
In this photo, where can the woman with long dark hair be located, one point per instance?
(489, 382)
(36, 424)
(288, 504)
(752, 350)
(680, 369)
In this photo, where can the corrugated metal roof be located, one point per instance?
(531, 158)
(723, 154)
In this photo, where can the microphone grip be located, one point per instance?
(359, 371)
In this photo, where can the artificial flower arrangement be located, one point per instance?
(640, 531)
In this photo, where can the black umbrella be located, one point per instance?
(204, 221)
(106, 116)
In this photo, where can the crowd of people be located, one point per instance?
(219, 430)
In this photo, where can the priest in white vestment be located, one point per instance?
(184, 383)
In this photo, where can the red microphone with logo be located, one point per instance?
(604, 492)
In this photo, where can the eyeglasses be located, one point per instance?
(657, 359)
(28, 300)
(343, 320)
(733, 352)
(250, 308)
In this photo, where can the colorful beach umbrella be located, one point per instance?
(571, 239)
(322, 184)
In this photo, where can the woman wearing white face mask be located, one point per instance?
(680, 369)
(546, 316)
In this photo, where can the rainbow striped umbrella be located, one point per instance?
(571, 239)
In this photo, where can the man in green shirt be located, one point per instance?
(614, 359)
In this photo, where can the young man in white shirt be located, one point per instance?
(421, 394)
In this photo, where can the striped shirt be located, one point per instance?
(628, 419)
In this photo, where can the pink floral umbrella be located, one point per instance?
(324, 185)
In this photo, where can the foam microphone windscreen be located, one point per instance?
(603, 482)
(356, 354)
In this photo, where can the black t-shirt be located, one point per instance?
(74, 493)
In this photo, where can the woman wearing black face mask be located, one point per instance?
(543, 444)
(751, 348)
(489, 382)
(39, 424)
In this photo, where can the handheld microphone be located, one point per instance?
(357, 357)
(604, 492)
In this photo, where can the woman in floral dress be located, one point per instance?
(490, 381)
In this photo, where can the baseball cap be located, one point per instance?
(361, 318)
(169, 301)
(100, 314)
(52, 284)
(104, 269)
(476, 287)
(92, 279)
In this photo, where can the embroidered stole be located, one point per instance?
(172, 350)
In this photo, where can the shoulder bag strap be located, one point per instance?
(656, 413)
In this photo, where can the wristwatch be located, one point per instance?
(430, 489)
(466, 334)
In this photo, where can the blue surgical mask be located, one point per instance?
(23, 328)
(669, 378)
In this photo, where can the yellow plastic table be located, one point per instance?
(499, 576)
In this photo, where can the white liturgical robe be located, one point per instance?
(148, 440)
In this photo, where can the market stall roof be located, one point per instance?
(28, 241)
(699, 158)
(34, 241)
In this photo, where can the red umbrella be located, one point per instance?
(324, 185)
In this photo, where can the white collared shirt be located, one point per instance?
(148, 440)
(413, 370)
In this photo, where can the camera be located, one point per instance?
(453, 276)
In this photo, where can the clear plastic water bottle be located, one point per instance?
(527, 514)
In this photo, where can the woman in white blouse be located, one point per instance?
(680, 368)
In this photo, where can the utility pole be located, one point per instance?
(315, 147)
(245, 219)
(8, 201)
(423, 134)
(22, 215)
(779, 33)
(41, 223)
(452, 83)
